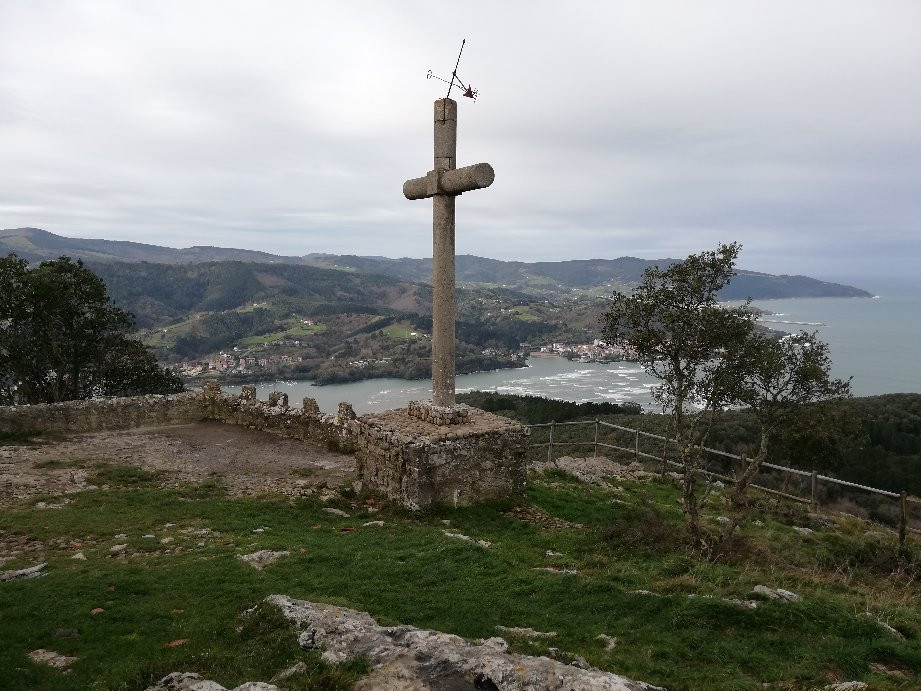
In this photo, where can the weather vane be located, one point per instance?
(469, 91)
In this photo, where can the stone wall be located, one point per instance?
(74, 417)
(415, 459)
(273, 415)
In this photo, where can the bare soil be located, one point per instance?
(247, 462)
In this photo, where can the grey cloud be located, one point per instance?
(615, 128)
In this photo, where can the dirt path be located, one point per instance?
(248, 462)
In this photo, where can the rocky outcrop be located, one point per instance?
(404, 657)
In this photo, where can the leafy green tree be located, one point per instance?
(681, 335)
(708, 358)
(779, 381)
(62, 339)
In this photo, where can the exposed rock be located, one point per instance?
(51, 658)
(610, 642)
(888, 629)
(22, 574)
(525, 632)
(747, 604)
(776, 593)
(803, 531)
(880, 668)
(371, 524)
(846, 686)
(189, 681)
(595, 470)
(482, 543)
(297, 668)
(263, 557)
(46, 505)
(877, 534)
(405, 657)
(336, 512)
(537, 516)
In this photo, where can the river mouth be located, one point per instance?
(551, 377)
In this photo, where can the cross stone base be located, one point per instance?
(419, 463)
(439, 414)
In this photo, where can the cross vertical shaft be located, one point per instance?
(443, 184)
(443, 266)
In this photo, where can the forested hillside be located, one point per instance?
(874, 440)
(594, 276)
(160, 292)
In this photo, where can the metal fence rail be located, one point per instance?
(596, 442)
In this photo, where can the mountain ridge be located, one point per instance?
(567, 277)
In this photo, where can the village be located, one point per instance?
(231, 363)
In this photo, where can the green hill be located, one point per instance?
(593, 276)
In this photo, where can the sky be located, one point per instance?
(650, 129)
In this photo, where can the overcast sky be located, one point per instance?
(650, 129)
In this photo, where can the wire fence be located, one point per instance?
(899, 510)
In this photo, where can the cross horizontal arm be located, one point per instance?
(457, 181)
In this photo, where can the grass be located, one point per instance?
(23, 438)
(187, 583)
(297, 330)
(524, 314)
(400, 331)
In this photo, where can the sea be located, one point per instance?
(874, 341)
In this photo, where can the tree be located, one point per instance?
(62, 339)
(709, 357)
(777, 381)
(681, 334)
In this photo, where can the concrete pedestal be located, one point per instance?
(420, 463)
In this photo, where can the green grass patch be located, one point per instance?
(401, 331)
(524, 314)
(296, 331)
(24, 437)
(566, 558)
(123, 475)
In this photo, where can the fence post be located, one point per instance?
(597, 425)
(815, 495)
(550, 445)
(636, 446)
(903, 519)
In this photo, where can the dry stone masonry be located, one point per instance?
(419, 461)
(418, 455)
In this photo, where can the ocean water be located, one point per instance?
(553, 377)
(875, 341)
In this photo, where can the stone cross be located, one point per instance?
(443, 183)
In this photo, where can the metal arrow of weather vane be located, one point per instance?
(469, 91)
